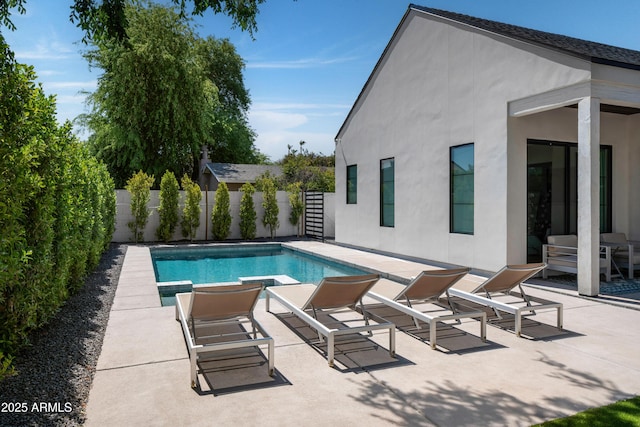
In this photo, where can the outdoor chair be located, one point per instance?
(497, 292)
(430, 286)
(626, 253)
(561, 254)
(220, 317)
(332, 295)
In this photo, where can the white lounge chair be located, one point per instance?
(502, 284)
(332, 294)
(213, 318)
(429, 286)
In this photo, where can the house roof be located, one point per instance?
(240, 173)
(591, 51)
(595, 52)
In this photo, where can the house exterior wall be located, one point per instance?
(441, 84)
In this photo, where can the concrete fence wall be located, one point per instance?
(123, 217)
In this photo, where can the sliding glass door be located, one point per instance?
(552, 192)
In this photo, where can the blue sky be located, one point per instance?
(310, 58)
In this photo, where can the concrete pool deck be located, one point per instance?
(142, 376)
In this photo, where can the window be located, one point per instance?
(461, 200)
(552, 192)
(387, 192)
(352, 184)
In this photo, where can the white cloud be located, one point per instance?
(48, 51)
(276, 120)
(279, 125)
(80, 85)
(299, 63)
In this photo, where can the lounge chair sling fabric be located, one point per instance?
(332, 293)
(503, 282)
(212, 318)
(509, 277)
(430, 285)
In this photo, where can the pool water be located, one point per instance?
(228, 264)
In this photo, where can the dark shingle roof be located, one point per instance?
(595, 52)
(241, 173)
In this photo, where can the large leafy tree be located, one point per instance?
(163, 95)
(106, 19)
(232, 138)
(148, 112)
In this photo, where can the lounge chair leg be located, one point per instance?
(432, 333)
(195, 383)
(392, 341)
(271, 361)
(560, 320)
(330, 349)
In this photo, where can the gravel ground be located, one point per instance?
(56, 371)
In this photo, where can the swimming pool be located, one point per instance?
(228, 263)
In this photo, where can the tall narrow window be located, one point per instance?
(352, 184)
(387, 192)
(461, 201)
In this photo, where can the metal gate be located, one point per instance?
(314, 214)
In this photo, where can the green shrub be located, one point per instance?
(297, 205)
(248, 214)
(168, 209)
(221, 217)
(191, 212)
(139, 186)
(270, 205)
(57, 208)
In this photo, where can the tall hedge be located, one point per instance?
(191, 211)
(248, 214)
(139, 187)
(57, 208)
(169, 206)
(221, 215)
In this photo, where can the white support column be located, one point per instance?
(588, 196)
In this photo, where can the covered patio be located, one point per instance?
(603, 111)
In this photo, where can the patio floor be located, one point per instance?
(142, 375)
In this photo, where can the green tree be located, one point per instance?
(168, 209)
(139, 186)
(270, 205)
(106, 19)
(232, 139)
(191, 211)
(149, 111)
(57, 208)
(221, 216)
(163, 95)
(314, 172)
(297, 205)
(248, 214)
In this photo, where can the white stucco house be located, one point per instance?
(473, 140)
